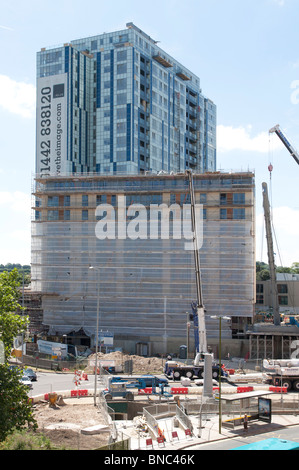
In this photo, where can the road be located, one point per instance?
(56, 382)
(289, 433)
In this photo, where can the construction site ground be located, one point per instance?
(62, 424)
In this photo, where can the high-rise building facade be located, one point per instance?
(118, 104)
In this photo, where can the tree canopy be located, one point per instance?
(263, 272)
(15, 410)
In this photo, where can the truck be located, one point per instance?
(140, 381)
(282, 373)
(176, 370)
(117, 388)
(58, 350)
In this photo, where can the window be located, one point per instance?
(239, 214)
(223, 214)
(222, 199)
(67, 201)
(101, 199)
(84, 200)
(121, 98)
(282, 288)
(53, 201)
(121, 84)
(260, 288)
(121, 56)
(283, 300)
(121, 113)
(67, 215)
(259, 299)
(84, 214)
(52, 215)
(121, 68)
(203, 199)
(94, 45)
(239, 198)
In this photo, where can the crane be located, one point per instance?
(198, 309)
(274, 291)
(276, 129)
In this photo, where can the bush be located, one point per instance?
(24, 440)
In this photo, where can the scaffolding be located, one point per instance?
(146, 286)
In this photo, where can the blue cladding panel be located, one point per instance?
(128, 132)
(98, 80)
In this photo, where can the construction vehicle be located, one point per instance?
(176, 370)
(123, 389)
(276, 129)
(118, 390)
(282, 373)
(143, 381)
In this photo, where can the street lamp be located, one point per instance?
(97, 335)
(218, 317)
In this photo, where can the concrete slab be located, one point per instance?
(97, 429)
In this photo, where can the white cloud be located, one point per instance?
(286, 220)
(16, 201)
(15, 217)
(6, 28)
(285, 236)
(17, 97)
(239, 138)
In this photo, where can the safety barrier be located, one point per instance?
(278, 389)
(244, 389)
(147, 391)
(80, 393)
(179, 390)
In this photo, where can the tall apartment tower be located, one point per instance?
(118, 104)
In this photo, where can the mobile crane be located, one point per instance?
(276, 129)
(172, 368)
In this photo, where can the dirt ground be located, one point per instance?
(141, 365)
(62, 425)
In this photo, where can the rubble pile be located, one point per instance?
(141, 365)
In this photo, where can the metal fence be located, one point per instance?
(51, 364)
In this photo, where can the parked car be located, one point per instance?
(26, 381)
(30, 374)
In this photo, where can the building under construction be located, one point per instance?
(143, 279)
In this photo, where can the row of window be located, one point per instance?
(57, 214)
(281, 289)
(282, 299)
(54, 201)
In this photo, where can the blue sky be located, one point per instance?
(245, 52)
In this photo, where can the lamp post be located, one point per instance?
(97, 335)
(218, 317)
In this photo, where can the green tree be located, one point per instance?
(11, 323)
(16, 411)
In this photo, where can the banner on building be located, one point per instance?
(51, 123)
